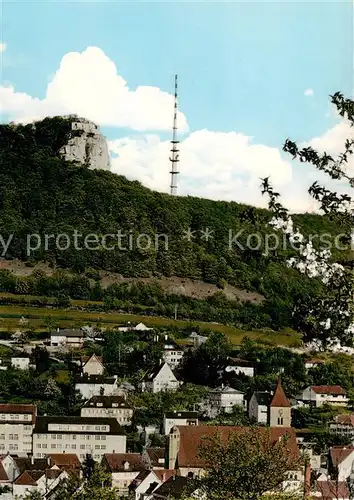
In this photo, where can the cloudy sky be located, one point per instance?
(250, 74)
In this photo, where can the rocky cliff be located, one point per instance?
(86, 145)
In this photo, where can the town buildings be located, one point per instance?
(81, 435)
(108, 407)
(317, 395)
(16, 426)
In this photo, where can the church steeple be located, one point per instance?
(280, 409)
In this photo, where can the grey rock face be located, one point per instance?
(86, 146)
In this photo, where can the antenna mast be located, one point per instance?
(174, 158)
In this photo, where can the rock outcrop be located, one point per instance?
(86, 145)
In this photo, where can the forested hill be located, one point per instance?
(42, 194)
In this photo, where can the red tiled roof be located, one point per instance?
(333, 489)
(25, 479)
(116, 461)
(345, 419)
(155, 455)
(279, 399)
(340, 453)
(164, 474)
(23, 409)
(335, 390)
(65, 460)
(3, 475)
(191, 439)
(85, 359)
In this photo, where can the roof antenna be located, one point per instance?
(174, 158)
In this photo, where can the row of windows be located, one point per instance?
(11, 437)
(77, 427)
(12, 447)
(60, 446)
(70, 437)
(15, 416)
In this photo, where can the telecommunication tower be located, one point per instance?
(174, 158)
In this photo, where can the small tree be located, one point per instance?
(246, 465)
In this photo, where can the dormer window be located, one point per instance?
(126, 465)
(114, 405)
(99, 404)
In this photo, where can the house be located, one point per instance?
(185, 441)
(67, 338)
(147, 481)
(21, 362)
(173, 418)
(140, 327)
(271, 409)
(172, 352)
(343, 425)
(239, 366)
(313, 363)
(16, 426)
(92, 365)
(41, 481)
(108, 407)
(317, 395)
(96, 385)
(160, 378)
(81, 435)
(124, 468)
(258, 406)
(341, 461)
(222, 400)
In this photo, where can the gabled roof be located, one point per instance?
(43, 422)
(279, 399)
(191, 437)
(21, 409)
(263, 398)
(181, 414)
(31, 477)
(345, 419)
(174, 487)
(156, 454)
(116, 461)
(334, 390)
(26, 464)
(107, 402)
(226, 390)
(67, 332)
(65, 460)
(332, 489)
(339, 453)
(85, 359)
(94, 379)
(152, 374)
(3, 475)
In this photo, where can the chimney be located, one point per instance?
(49, 460)
(166, 337)
(32, 460)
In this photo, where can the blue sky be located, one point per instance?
(243, 66)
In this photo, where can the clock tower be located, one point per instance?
(280, 409)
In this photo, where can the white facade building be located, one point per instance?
(67, 338)
(179, 418)
(124, 468)
(258, 407)
(317, 395)
(223, 399)
(16, 426)
(108, 407)
(239, 366)
(83, 436)
(20, 362)
(172, 353)
(92, 365)
(96, 385)
(161, 378)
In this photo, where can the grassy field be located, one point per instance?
(67, 318)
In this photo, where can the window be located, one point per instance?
(15, 437)
(280, 421)
(103, 446)
(43, 445)
(82, 446)
(103, 438)
(97, 447)
(2, 436)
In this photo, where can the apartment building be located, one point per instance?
(16, 426)
(108, 407)
(96, 385)
(80, 435)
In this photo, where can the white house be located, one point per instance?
(96, 385)
(41, 481)
(67, 338)
(222, 400)
(109, 407)
(140, 327)
(124, 468)
(80, 435)
(172, 352)
(148, 481)
(317, 395)
(343, 425)
(92, 365)
(342, 460)
(20, 362)
(239, 366)
(16, 426)
(160, 378)
(258, 406)
(179, 418)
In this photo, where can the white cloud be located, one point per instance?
(88, 84)
(3, 47)
(215, 165)
(308, 92)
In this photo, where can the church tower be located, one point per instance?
(280, 409)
